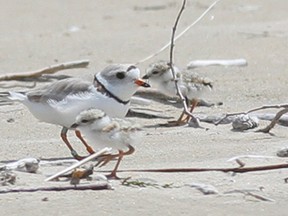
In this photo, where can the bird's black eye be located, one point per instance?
(84, 121)
(120, 75)
(155, 72)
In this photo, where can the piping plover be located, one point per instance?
(60, 102)
(118, 134)
(191, 84)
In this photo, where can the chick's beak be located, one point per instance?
(141, 83)
(75, 125)
(145, 76)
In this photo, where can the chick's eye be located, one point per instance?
(155, 72)
(84, 121)
(120, 75)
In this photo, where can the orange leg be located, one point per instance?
(181, 116)
(88, 148)
(66, 141)
(113, 174)
(194, 103)
(104, 159)
(120, 155)
(184, 118)
(178, 122)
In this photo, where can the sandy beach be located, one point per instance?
(36, 34)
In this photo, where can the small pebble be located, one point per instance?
(10, 120)
(204, 188)
(282, 152)
(32, 167)
(99, 177)
(245, 122)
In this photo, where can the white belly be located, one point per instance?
(64, 112)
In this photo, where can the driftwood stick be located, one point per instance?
(270, 116)
(277, 106)
(235, 169)
(260, 197)
(48, 70)
(172, 45)
(98, 186)
(171, 55)
(249, 193)
(274, 121)
(252, 156)
(186, 110)
(80, 163)
(5, 86)
(217, 62)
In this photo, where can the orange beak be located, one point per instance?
(141, 83)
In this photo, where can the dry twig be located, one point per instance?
(98, 186)
(249, 193)
(217, 62)
(5, 86)
(251, 156)
(48, 70)
(172, 68)
(240, 169)
(273, 122)
(80, 163)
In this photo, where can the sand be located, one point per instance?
(36, 34)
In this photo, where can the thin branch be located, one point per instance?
(217, 62)
(18, 85)
(48, 70)
(98, 186)
(249, 193)
(78, 164)
(225, 170)
(181, 34)
(277, 106)
(252, 156)
(173, 40)
(274, 121)
(260, 197)
(171, 62)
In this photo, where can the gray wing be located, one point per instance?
(58, 90)
(196, 79)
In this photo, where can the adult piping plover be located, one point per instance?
(191, 84)
(99, 129)
(60, 102)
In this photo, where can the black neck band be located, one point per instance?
(101, 88)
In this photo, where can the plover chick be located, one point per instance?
(102, 131)
(190, 84)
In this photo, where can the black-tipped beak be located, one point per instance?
(75, 125)
(141, 83)
(145, 76)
